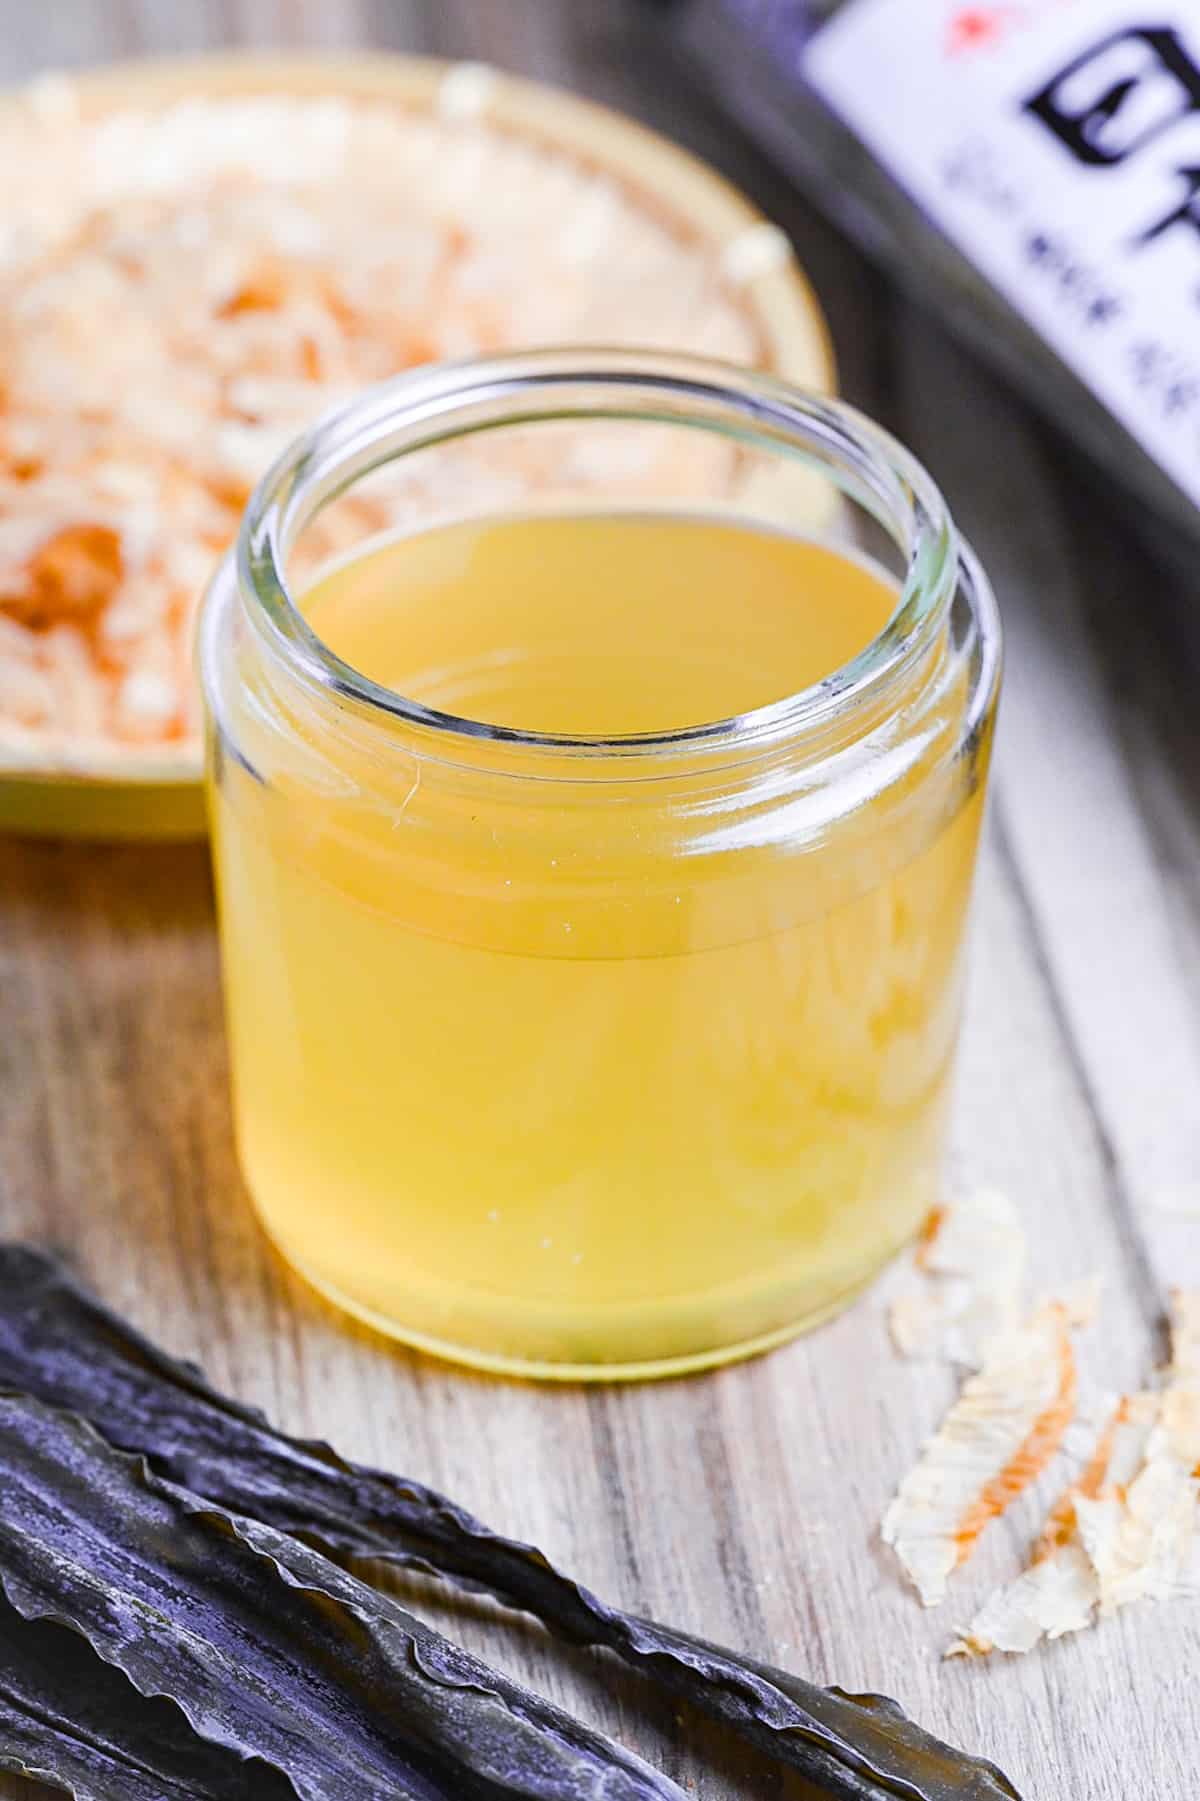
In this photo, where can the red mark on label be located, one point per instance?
(978, 27)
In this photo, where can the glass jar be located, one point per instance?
(586, 1057)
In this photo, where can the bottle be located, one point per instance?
(1034, 165)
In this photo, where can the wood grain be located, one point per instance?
(744, 1505)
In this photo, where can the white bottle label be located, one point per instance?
(1057, 143)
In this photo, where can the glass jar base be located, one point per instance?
(602, 1370)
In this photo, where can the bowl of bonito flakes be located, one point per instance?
(199, 258)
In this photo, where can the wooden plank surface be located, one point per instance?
(744, 1505)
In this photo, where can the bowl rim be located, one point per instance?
(666, 179)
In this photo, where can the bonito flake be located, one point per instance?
(999, 1435)
(183, 290)
(974, 1256)
(1126, 1529)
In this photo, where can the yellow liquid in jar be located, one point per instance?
(532, 1088)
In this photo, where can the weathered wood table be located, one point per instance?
(743, 1505)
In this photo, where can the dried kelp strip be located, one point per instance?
(67, 1718)
(58, 1342)
(266, 1647)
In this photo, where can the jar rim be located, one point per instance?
(438, 402)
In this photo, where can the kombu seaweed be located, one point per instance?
(266, 1647)
(69, 1719)
(58, 1343)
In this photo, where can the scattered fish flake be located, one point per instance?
(1080, 1300)
(1126, 1530)
(1049, 1600)
(974, 1255)
(1182, 1200)
(999, 1435)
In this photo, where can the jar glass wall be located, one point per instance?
(580, 1055)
